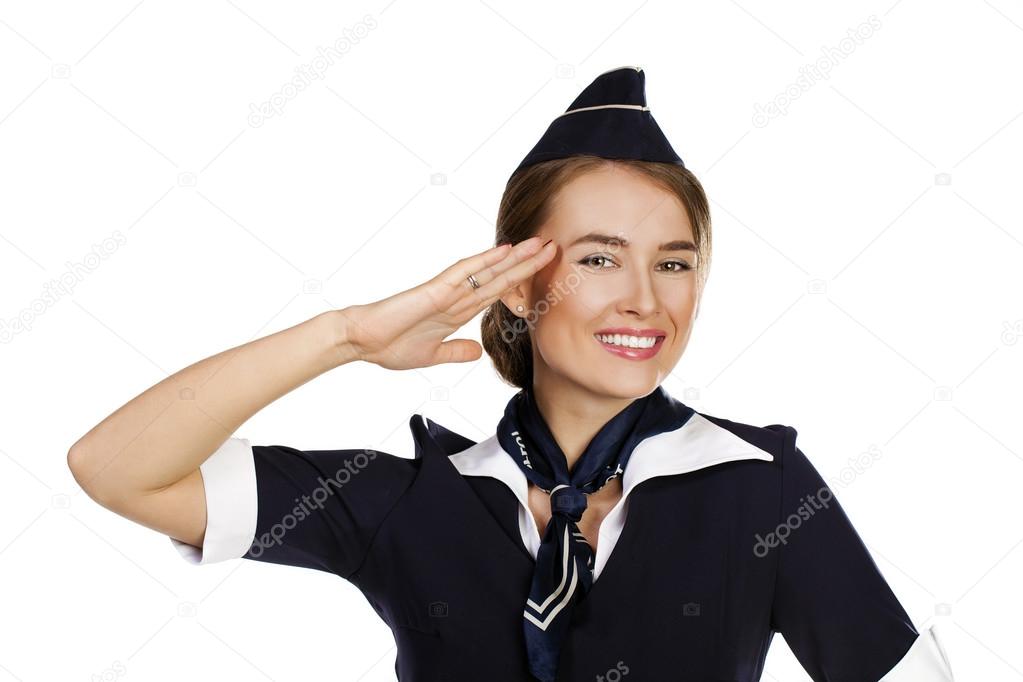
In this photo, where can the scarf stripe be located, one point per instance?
(564, 563)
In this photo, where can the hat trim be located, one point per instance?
(620, 68)
(607, 106)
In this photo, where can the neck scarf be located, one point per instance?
(564, 562)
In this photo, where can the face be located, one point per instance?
(625, 265)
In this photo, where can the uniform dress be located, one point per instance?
(725, 534)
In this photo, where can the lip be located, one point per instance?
(632, 331)
(632, 353)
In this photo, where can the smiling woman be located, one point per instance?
(484, 557)
(636, 234)
(633, 230)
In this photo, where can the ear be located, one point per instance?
(517, 296)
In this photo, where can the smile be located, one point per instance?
(633, 347)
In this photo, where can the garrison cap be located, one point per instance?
(611, 119)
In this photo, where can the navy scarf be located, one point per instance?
(564, 563)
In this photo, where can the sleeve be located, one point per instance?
(317, 509)
(831, 603)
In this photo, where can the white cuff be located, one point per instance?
(924, 662)
(229, 481)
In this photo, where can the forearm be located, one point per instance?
(167, 431)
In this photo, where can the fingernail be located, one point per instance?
(547, 242)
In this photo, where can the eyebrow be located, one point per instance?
(598, 238)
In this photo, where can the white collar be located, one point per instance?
(696, 444)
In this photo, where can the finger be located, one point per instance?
(457, 273)
(485, 272)
(502, 282)
(458, 350)
(525, 249)
(464, 301)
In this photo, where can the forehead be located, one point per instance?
(617, 199)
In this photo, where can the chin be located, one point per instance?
(626, 387)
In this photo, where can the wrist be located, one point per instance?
(338, 327)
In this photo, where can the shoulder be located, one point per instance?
(788, 467)
(428, 435)
(794, 476)
(775, 439)
(283, 466)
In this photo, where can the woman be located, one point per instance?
(674, 544)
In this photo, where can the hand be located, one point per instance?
(408, 329)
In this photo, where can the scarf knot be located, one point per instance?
(569, 501)
(563, 573)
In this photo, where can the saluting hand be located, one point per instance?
(408, 329)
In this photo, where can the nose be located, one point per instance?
(639, 298)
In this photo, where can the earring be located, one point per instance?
(518, 308)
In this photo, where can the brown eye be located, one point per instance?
(682, 265)
(589, 260)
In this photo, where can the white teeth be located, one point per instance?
(627, 341)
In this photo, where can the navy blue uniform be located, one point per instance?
(725, 535)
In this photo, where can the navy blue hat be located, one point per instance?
(610, 118)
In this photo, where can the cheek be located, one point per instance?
(565, 292)
(679, 307)
(566, 314)
(680, 300)
(682, 311)
(589, 290)
(568, 307)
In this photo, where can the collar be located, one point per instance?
(697, 444)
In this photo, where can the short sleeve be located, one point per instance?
(317, 509)
(831, 602)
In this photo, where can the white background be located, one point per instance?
(866, 284)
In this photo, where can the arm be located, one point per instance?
(167, 460)
(832, 604)
(143, 460)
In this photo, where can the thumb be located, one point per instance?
(458, 350)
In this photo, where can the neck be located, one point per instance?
(574, 415)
